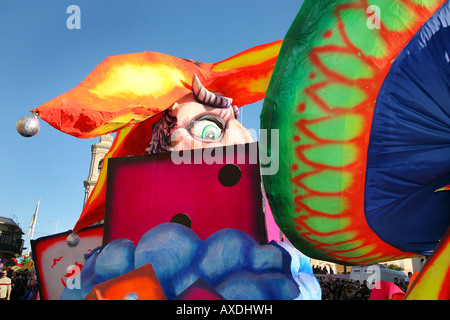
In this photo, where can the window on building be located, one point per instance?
(6, 237)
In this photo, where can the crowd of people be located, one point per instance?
(335, 288)
(340, 289)
(323, 270)
(18, 285)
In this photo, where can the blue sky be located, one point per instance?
(40, 58)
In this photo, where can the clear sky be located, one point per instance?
(40, 58)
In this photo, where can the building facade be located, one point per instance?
(11, 242)
(98, 152)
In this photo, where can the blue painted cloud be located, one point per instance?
(230, 261)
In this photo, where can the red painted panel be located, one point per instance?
(53, 257)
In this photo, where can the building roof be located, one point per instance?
(9, 221)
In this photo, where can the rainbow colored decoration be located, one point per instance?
(120, 95)
(127, 89)
(321, 99)
(359, 102)
(431, 281)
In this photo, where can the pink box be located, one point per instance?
(220, 188)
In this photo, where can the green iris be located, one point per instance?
(208, 127)
(210, 132)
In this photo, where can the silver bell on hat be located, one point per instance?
(28, 126)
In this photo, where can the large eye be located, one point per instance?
(207, 127)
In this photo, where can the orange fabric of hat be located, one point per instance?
(130, 88)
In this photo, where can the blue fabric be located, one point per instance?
(409, 149)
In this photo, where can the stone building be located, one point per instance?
(98, 151)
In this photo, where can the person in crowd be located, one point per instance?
(5, 286)
(408, 277)
(19, 284)
(396, 282)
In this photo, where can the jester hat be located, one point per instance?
(128, 93)
(130, 88)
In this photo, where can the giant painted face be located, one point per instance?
(199, 120)
(204, 126)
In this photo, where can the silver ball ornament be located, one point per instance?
(28, 126)
(73, 240)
